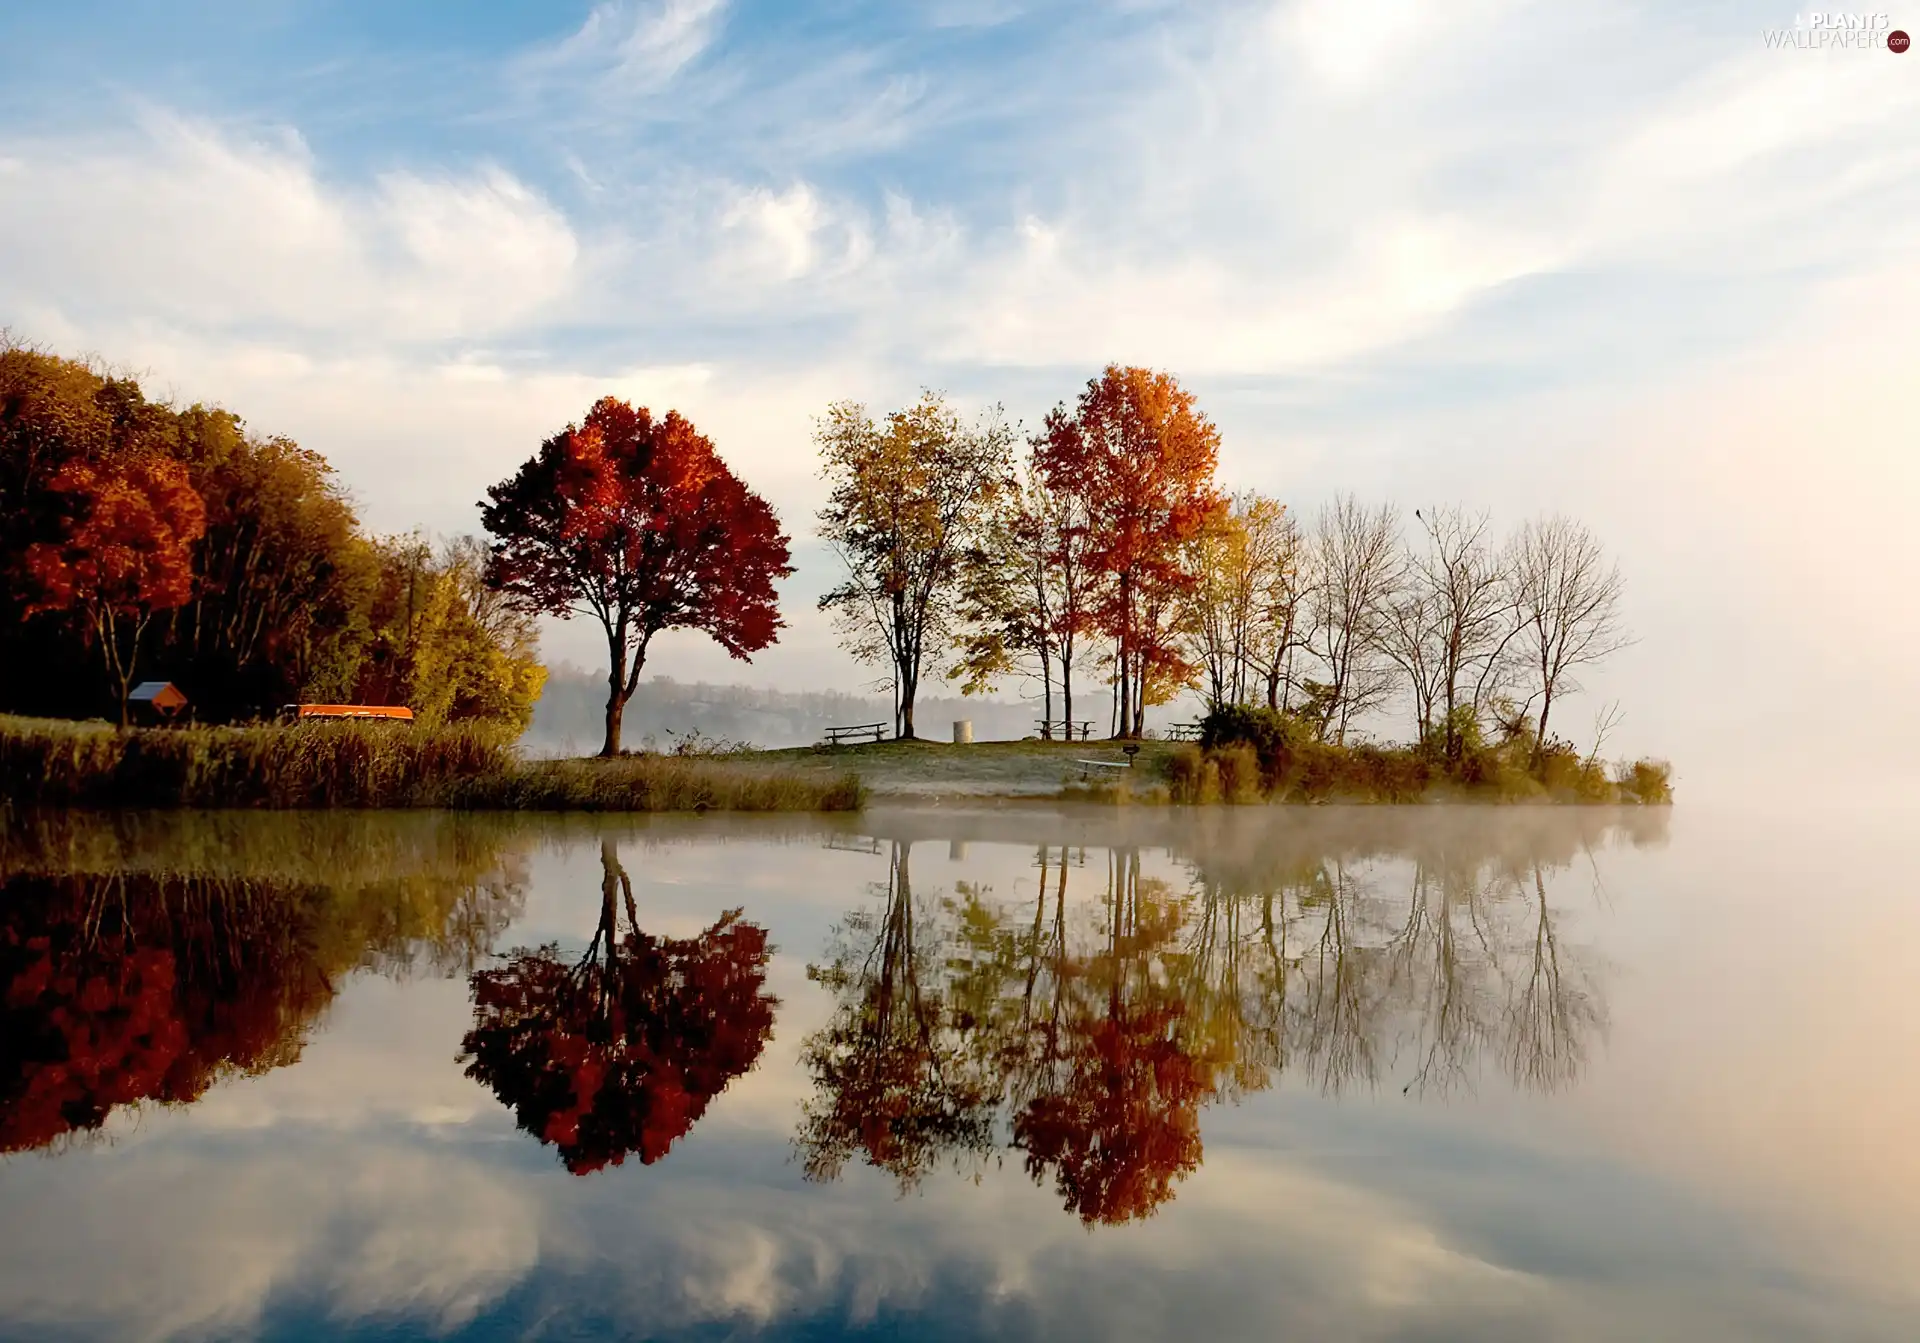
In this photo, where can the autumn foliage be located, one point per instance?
(1140, 455)
(132, 989)
(125, 552)
(620, 1053)
(638, 523)
(953, 1039)
(140, 540)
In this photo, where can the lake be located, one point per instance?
(1396, 1073)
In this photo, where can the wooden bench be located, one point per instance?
(853, 844)
(840, 736)
(1183, 732)
(1065, 727)
(1087, 767)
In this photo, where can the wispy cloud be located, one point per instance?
(638, 44)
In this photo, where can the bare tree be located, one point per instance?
(1412, 636)
(1359, 572)
(1282, 621)
(1241, 564)
(1453, 627)
(1567, 600)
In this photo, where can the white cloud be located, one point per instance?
(781, 227)
(155, 1243)
(1352, 46)
(1061, 298)
(180, 220)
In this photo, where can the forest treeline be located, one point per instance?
(145, 541)
(1109, 549)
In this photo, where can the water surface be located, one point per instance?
(1424, 1073)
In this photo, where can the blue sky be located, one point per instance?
(1623, 261)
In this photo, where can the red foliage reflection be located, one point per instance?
(137, 988)
(621, 1051)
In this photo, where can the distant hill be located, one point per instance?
(568, 718)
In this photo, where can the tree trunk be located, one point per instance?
(1540, 736)
(616, 710)
(1046, 696)
(1066, 683)
(616, 691)
(906, 665)
(108, 628)
(1139, 700)
(909, 687)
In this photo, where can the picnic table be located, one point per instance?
(1183, 732)
(1087, 767)
(840, 736)
(1065, 727)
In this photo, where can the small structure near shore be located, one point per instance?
(303, 713)
(156, 702)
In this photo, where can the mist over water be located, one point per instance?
(1460, 1072)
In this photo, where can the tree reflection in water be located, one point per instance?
(897, 1073)
(621, 1051)
(1088, 1035)
(131, 978)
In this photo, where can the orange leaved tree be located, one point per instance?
(125, 553)
(1140, 455)
(638, 523)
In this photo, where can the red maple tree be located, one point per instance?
(638, 523)
(1140, 456)
(126, 552)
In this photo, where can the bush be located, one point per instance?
(1237, 772)
(1247, 753)
(1185, 773)
(1647, 782)
(1276, 739)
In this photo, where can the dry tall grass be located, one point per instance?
(1321, 772)
(324, 765)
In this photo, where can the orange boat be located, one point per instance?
(303, 712)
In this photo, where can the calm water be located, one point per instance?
(1428, 1074)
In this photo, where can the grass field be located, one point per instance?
(923, 769)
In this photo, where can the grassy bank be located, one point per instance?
(1257, 755)
(50, 764)
(1288, 767)
(1233, 774)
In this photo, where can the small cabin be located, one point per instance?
(306, 713)
(156, 702)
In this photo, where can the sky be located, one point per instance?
(1635, 263)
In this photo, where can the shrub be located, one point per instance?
(1184, 772)
(1647, 782)
(1275, 738)
(1237, 774)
